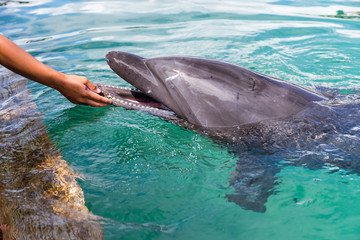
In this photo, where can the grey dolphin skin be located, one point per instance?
(266, 122)
(210, 93)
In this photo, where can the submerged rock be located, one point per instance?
(39, 195)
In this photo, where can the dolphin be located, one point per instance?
(227, 102)
(206, 93)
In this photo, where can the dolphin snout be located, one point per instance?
(131, 68)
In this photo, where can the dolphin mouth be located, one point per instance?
(134, 99)
(130, 98)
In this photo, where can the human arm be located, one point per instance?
(76, 89)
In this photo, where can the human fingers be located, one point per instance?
(94, 97)
(93, 103)
(90, 102)
(92, 87)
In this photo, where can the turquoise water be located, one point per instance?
(149, 179)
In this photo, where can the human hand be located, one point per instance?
(80, 90)
(76, 89)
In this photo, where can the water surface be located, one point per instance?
(149, 179)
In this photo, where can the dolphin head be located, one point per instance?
(210, 93)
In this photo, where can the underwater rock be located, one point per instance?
(39, 195)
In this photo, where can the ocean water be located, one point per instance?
(145, 178)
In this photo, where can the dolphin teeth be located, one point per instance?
(132, 104)
(125, 103)
(124, 88)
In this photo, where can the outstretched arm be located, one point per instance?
(76, 89)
